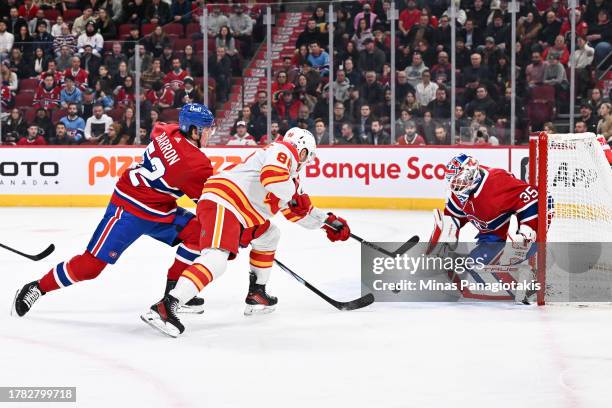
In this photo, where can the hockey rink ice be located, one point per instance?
(306, 353)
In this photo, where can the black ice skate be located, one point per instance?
(162, 316)
(25, 298)
(195, 305)
(257, 300)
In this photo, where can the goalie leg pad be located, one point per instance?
(444, 236)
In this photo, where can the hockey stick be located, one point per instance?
(351, 305)
(399, 251)
(37, 257)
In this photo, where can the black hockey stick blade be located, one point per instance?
(401, 250)
(37, 257)
(351, 305)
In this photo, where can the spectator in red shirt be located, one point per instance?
(407, 19)
(58, 76)
(79, 74)
(161, 97)
(558, 50)
(125, 94)
(32, 138)
(410, 137)
(581, 26)
(281, 84)
(288, 108)
(175, 78)
(28, 10)
(48, 94)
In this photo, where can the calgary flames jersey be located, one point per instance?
(498, 196)
(261, 186)
(171, 167)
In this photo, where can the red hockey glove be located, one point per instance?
(300, 204)
(337, 228)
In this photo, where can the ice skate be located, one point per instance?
(257, 300)
(162, 316)
(25, 298)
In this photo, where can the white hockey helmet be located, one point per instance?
(302, 139)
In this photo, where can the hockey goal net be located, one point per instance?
(574, 181)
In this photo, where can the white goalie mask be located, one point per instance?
(463, 175)
(302, 139)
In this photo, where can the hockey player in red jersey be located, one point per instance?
(487, 198)
(234, 211)
(144, 203)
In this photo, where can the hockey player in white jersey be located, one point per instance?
(234, 210)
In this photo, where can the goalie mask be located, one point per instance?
(463, 175)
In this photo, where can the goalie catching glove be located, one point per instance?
(337, 228)
(524, 235)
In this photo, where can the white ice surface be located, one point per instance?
(305, 354)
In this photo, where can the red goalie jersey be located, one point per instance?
(498, 196)
(171, 167)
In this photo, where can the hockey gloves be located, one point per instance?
(337, 228)
(525, 235)
(300, 204)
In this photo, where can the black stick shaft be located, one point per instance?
(351, 305)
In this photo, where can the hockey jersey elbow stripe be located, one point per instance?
(291, 216)
(276, 169)
(529, 211)
(265, 181)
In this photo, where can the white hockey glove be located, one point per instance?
(444, 236)
(525, 235)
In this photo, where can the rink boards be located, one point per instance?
(389, 177)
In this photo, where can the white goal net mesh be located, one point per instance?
(579, 190)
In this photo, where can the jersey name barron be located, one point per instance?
(498, 196)
(171, 167)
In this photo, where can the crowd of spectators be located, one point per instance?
(68, 67)
(80, 55)
(362, 71)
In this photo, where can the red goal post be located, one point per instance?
(574, 182)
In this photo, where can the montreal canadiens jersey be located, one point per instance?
(260, 187)
(498, 196)
(171, 167)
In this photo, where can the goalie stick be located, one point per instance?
(37, 257)
(351, 305)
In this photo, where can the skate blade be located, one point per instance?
(13, 311)
(251, 310)
(185, 309)
(153, 320)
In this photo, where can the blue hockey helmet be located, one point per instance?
(463, 174)
(195, 114)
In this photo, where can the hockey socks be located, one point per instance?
(79, 268)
